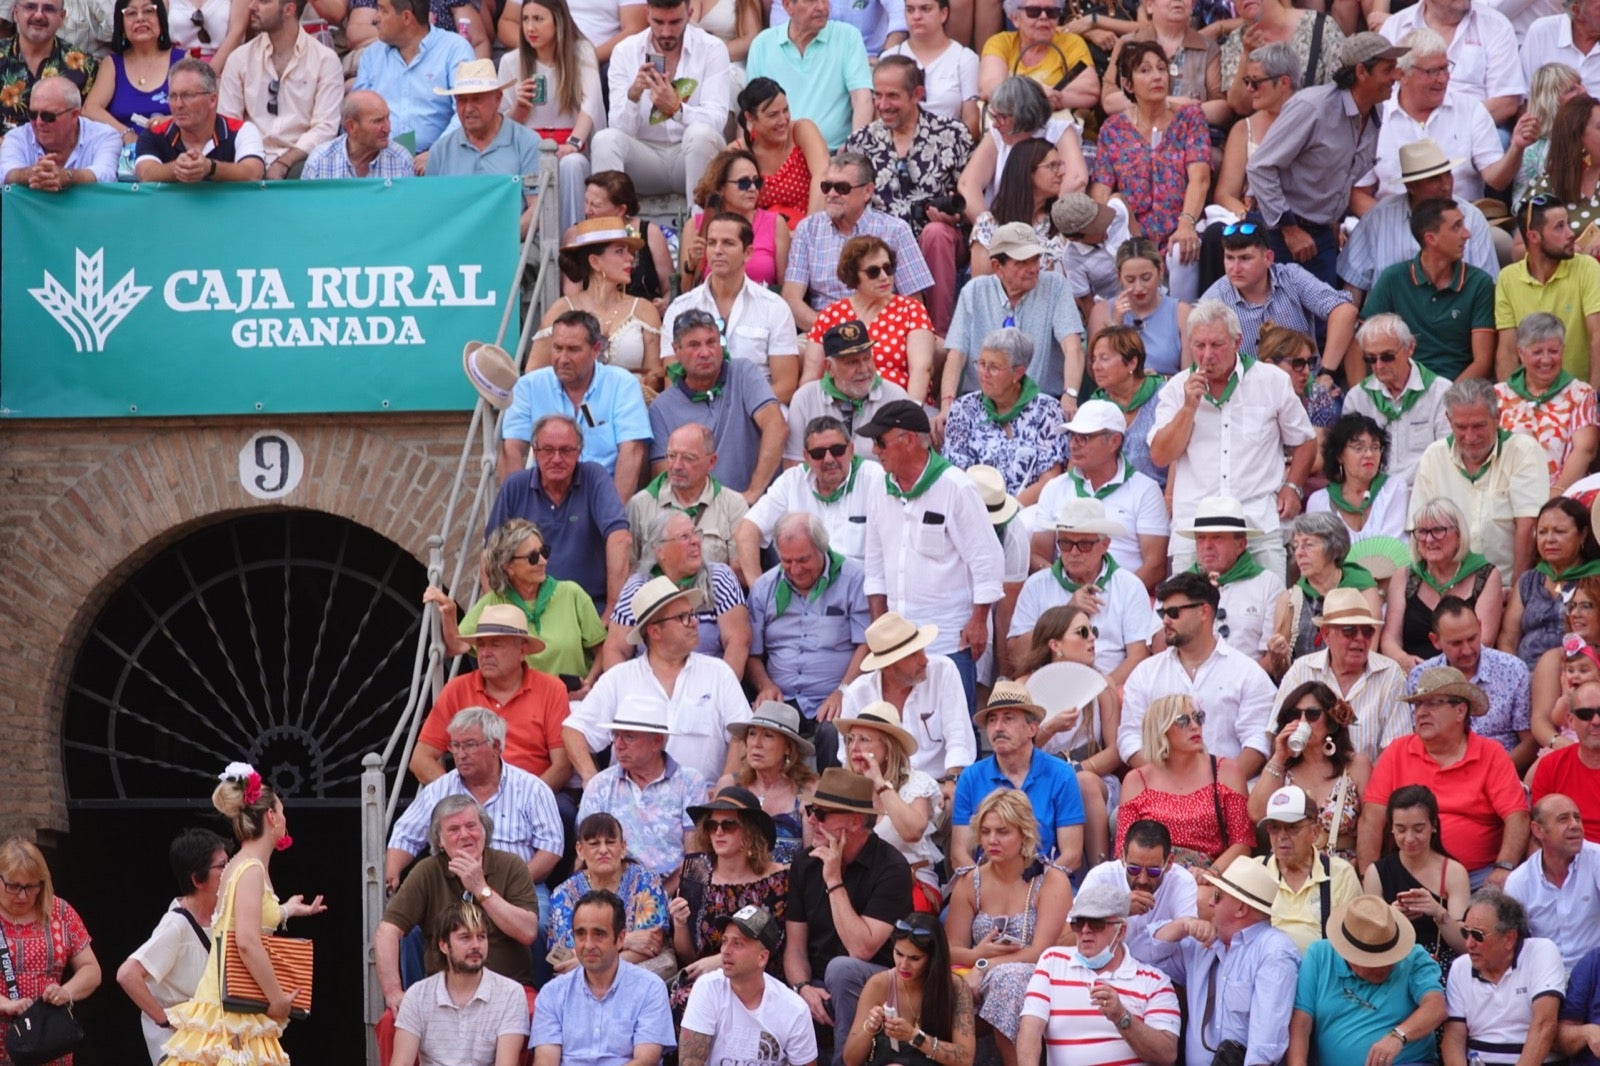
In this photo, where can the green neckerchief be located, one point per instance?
(1518, 383)
(1149, 387)
(682, 583)
(1000, 530)
(1355, 576)
(1082, 486)
(830, 390)
(1336, 496)
(675, 374)
(1029, 392)
(1571, 573)
(1408, 398)
(1500, 438)
(1243, 569)
(658, 485)
(845, 486)
(783, 594)
(1245, 363)
(1107, 568)
(1471, 564)
(535, 612)
(930, 473)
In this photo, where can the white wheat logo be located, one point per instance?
(89, 313)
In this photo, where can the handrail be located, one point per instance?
(432, 662)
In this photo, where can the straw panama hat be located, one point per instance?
(652, 597)
(883, 718)
(891, 638)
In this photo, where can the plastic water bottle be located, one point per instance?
(1474, 1059)
(464, 27)
(1300, 737)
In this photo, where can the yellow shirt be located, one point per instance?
(1299, 913)
(1571, 294)
(1051, 62)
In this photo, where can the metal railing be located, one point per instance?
(430, 668)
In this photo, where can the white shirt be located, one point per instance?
(1175, 898)
(759, 324)
(1549, 40)
(1236, 694)
(704, 701)
(1483, 49)
(1380, 716)
(922, 850)
(950, 81)
(1248, 606)
(98, 149)
(600, 20)
(1386, 516)
(1461, 126)
(704, 58)
(1501, 1013)
(1563, 914)
(844, 518)
(934, 557)
(1077, 1034)
(777, 1032)
(1235, 450)
(1137, 503)
(1127, 618)
(174, 958)
(935, 715)
(1412, 432)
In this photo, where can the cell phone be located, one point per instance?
(657, 60)
(572, 681)
(541, 89)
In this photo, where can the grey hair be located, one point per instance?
(1423, 42)
(1012, 343)
(198, 67)
(1326, 528)
(350, 110)
(866, 172)
(802, 522)
(492, 725)
(1468, 392)
(1214, 313)
(1278, 60)
(451, 806)
(501, 544)
(1509, 913)
(69, 91)
(1441, 511)
(1022, 99)
(1387, 324)
(1540, 326)
(655, 536)
(551, 419)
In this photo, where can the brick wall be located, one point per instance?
(84, 505)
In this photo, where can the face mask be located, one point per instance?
(1100, 958)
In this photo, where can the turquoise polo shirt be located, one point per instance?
(819, 82)
(1349, 1014)
(1443, 320)
(1051, 787)
(612, 411)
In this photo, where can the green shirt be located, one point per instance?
(569, 628)
(1572, 292)
(1444, 320)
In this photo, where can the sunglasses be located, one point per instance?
(1042, 12)
(904, 930)
(1469, 933)
(198, 20)
(1256, 83)
(48, 117)
(745, 184)
(876, 271)
(1085, 632)
(1077, 547)
(1585, 714)
(1542, 200)
(816, 813)
(1094, 925)
(1246, 228)
(835, 450)
(842, 188)
(1175, 612)
(1351, 632)
(1297, 365)
(532, 558)
(1380, 357)
(1183, 721)
(1152, 872)
(1309, 714)
(722, 825)
(272, 96)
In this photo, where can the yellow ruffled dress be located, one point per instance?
(204, 1033)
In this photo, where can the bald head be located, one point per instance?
(365, 116)
(1558, 827)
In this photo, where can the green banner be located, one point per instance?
(294, 296)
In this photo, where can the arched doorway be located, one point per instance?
(283, 638)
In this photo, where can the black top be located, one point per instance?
(1395, 879)
(878, 883)
(1417, 623)
(645, 282)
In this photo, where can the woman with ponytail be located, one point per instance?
(205, 1033)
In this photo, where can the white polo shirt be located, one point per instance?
(448, 1033)
(1497, 1015)
(759, 325)
(1565, 914)
(1236, 694)
(1244, 617)
(1235, 450)
(1549, 40)
(935, 715)
(1461, 126)
(1127, 618)
(1483, 50)
(1075, 1032)
(1135, 500)
(845, 518)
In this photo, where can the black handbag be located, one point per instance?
(44, 1032)
(1229, 1053)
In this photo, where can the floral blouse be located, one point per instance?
(1152, 180)
(1022, 449)
(33, 957)
(641, 894)
(1552, 423)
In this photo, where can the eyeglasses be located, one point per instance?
(745, 184)
(547, 452)
(999, 116)
(835, 450)
(24, 888)
(532, 557)
(129, 13)
(1256, 83)
(1152, 872)
(904, 930)
(1352, 632)
(1379, 357)
(1055, 166)
(48, 117)
(1585, 714)
(1094, 925)
(688, 618)
(722, 825)
(1577, 606)
(1432, 532)
(876, 271)
(1085, 632)
(1469, 933)
(843, 188)
(272, 96)
(467, 747)
(1078, 547)
(1246, 228)
(198, 21)
(185, 97)
(1042, 12)
(1434, 72)
(1175, 612)
(1183, 721)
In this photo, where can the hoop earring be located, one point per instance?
(1329, 748)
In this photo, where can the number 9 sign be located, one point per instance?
(271, 465)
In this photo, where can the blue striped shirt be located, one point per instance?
(1296, 299)
(523, 809)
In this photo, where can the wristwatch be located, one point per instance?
(1400, 1035)
(488, 894)
(1125, 1023)
(981, 965)
(1507, 866)
(918, 1038)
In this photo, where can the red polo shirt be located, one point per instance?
(1475, 794)
(534, 716)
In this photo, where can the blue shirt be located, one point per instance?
(1296, 299)
(603, 1032)
(1254, 991)
(514, 150)
(819, 82)
(1051, 787)
(1582, 1004)
(1350, 1014)
(574, 529)
(729, 413)
(408, 87)
(808, 649)
(1504, 679)
(1045, 311)
(612, 411)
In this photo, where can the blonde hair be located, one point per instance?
(1014, 809)
(249, 820)
(896, 767)
(22, 861)
(1441, 510)
(1158, 718)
